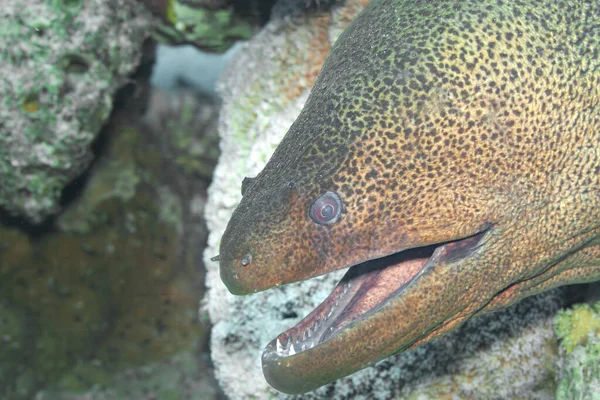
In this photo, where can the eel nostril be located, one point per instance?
(247, 259)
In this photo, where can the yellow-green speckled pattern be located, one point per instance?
(434, 121)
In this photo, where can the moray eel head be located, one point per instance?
(433, 157)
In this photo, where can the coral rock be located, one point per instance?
(62, 63)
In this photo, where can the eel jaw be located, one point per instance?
(363, 292)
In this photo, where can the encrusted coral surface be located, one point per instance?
(503, 355)
(62, 62)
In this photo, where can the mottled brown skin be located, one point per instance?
(433, 121)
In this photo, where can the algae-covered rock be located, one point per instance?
(212, 25)
(578, 330)
(62, 62)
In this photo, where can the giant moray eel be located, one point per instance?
(449, 153)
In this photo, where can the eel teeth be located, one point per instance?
(279, 347)
(292, 350)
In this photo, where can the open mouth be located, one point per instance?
(364, 290)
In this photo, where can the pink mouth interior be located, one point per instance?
(364, 287)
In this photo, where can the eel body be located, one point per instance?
(449, 154)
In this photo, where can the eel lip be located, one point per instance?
(364, 290)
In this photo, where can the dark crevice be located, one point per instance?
(259, 10)
(21, 223)
(126, 97)
(379, 264)
(74, 189)
(299, 8)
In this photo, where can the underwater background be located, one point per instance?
(126, 129)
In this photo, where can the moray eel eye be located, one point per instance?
(326, 209)
(246, 260)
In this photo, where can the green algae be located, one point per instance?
(215, 30)
(578, 330)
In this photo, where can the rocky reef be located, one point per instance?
(63, 61)
(101, 300)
